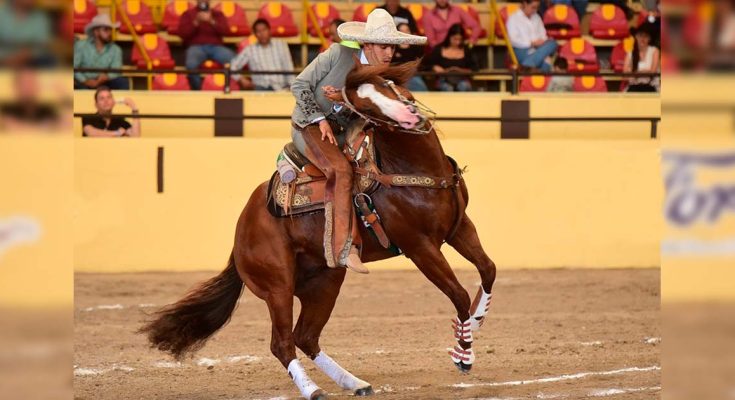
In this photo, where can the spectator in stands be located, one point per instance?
(528, 37)
(560, 83)
(99, 51)
(579, 6)
(401, 15)
(645, 57)
(202, 28)
(333, 35)
(267, 54)
(438, 21)
(104, 124)
(25, 35)
(406, 53)
(453, 56)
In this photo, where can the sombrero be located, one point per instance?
(380, 28)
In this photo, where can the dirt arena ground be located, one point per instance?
(565, 333)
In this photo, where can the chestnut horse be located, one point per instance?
(279, 258)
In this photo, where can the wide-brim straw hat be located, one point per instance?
(380, 28)
(99, 21)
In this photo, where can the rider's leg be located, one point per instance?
(337, 199)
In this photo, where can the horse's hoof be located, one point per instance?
(319, 395)
(463, 368)
(366, 391)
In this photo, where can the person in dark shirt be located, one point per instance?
(202, 28)
(104, 124)
(453, 55)
(406, 53)
(400, 14)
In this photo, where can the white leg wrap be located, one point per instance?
(339, 375)
(302, 381)
(479, 308)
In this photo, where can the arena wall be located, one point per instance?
(537, 204)
(475, 104)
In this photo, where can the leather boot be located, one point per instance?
(353, 262)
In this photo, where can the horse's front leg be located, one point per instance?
(433, 265)
(467, 243)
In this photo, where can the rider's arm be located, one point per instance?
(305, 83)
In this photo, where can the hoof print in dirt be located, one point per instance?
(366, 391)
(463, 368)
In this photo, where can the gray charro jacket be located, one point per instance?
(328, 69)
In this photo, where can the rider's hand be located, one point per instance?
(327, 132)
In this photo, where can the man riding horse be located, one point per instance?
(319, 125)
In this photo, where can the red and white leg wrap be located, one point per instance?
(462, 330)
(479, 308)
(465, 356)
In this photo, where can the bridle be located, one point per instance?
(427, 115)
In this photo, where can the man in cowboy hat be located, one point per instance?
(319, 124)
(98, 51)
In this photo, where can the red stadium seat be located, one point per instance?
(84, 11)
(211, 64)
(473, 13)
(140, 16)
(619, 52)
(362, 11)
(562, 22)
(609, 22)
(535, 83)
(696, 21)
(157, 49)
(280, 17)
(217, 82)
(325, 13)
(236, 18)
(172, 15)
(505, 12)
(418, 11)
(589, 83)
(170, 81)
(580, 55)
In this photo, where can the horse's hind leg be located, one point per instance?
(434, 266)
(318, 295)
(467, 243)
(280, 305)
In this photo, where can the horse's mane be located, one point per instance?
(399, 74)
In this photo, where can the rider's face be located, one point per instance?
(379, 54)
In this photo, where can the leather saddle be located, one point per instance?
(305, 195)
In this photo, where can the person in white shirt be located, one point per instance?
(528, 37)
(266, 54)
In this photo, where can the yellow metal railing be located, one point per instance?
(117, 7)
(309, 13)
(494, 11)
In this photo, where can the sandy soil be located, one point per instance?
(390, 328)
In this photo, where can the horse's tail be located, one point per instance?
(185, 326)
